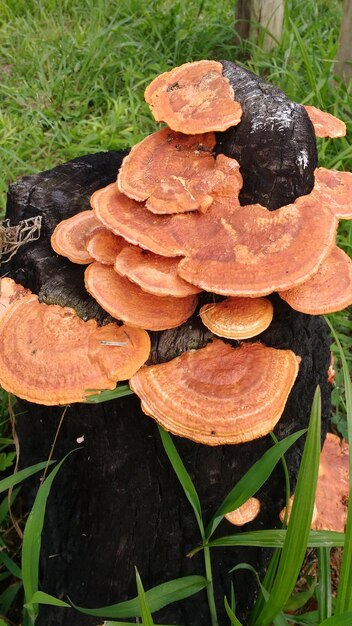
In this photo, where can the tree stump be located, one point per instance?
(116, 502)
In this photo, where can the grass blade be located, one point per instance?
(105, 396)
(157, 598)
(344, 591)
(274, 538)
(39, 597)
(32, 540)
(344, 619)
(249, 484)
(297, 534)
(183, 476)
(323, 590)
(231, 615)
(11, 481)
(146, 615)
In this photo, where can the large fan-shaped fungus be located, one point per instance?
(218, 394)
(194, 98)
(126, 301)
(51, 356)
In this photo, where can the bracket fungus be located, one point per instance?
(126, 301)
(10, 292)
(331, 497)
(325, 124)
(194, 98)
(70, 236)
(51, 356)
(219, 394)
(103, 246)
(329, 290)
(152, 272)
(238, 318)
(245, 513)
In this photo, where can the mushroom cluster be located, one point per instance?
(170, 228)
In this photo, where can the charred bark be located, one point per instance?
(116, 502)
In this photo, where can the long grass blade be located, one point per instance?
(105, 396)
(323, 590)
(11, 481)
(183, 476)
(344, 619)
(249, 484)
(157, 598)
(32, 540)
(297, 534)
(146, 615)
(233, 619)
(344, 591)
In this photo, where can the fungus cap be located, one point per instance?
(51, 356)
(334, 188)
(253, 252)
(153, 273)
(172, 171)
(70, 236)
(331, 498)
(126, 301)
(328, 291)
(245, 513)
(103, 246)
(238, 318)
(194, 98)
(168, 235)
(325, 124)
(10, 291)
(218, 394)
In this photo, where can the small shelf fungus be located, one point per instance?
(180, 224)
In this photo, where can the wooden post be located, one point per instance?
(252, 16)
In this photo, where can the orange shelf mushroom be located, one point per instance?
(218, 394)
(238, 318)
(245, 513)
(51, 356)
(70, 236)
(250, 251)
(171, 171)
(153, 273)
(325, 124)
(331, 498)
(126, 301)
(329, 290)
(103, 246)
(334, 188)
(254, 252)
(10, 291)
(194, 98)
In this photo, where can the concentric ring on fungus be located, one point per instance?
(218, 394)
(50, 356)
